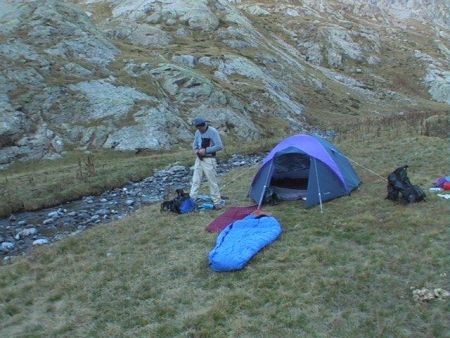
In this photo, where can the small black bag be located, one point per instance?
(271, 197)
(399, 184)
(181, 204)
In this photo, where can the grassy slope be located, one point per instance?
(345, 273)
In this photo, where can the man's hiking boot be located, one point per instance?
(219, 205)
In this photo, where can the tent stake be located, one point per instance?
(318, 187)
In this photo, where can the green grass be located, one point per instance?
(345, 273)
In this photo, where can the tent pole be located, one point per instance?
(265, 186)
(318, 186)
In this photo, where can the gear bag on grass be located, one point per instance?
(400, 187)
(181, 204)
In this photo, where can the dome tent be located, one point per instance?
(304, 166)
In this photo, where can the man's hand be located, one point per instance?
(201, 152)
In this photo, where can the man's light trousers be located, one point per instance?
(205, 166)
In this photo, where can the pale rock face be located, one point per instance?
(335, 43)
(73, 69)
(393, 10)
(33, 146)
(79, 39)
(25, 76)
(183, 83)
(313, 52)
(292, 12)
(11, 14)
(142, 34)
(439, 84)
(16, 49)
(437, 77)
(12, 126)
(341, 42)
(256, 10)
(128, 74)
(196, 13)
(237, 65)
(108, 100)
(101, 54)
(185, 60)
(227, 120)
(154, 129)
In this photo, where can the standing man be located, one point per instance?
(206, 143)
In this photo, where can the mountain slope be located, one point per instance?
(132, 74)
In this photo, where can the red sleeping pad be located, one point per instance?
(229, 216)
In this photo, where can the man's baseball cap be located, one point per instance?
(198, 121)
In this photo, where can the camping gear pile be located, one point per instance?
(181, 204)
(184, 204)
(442, 182)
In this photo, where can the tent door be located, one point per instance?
(290, 175)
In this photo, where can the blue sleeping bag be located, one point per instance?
(241, 240)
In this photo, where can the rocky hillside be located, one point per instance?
(131, 74)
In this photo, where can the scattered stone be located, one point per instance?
(53, 214)
(6, 246)
(26, 233)
(94, 218)
(102, 212)
(292, 12)
(22, 223)
(426, 295)
(257, 10)
(185, 60)
(41, 241)
(48, 221)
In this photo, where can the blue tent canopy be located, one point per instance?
(305, 166)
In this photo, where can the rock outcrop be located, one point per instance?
(132, 74)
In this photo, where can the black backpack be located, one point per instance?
(400, 185)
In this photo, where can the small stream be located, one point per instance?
(20, 232)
